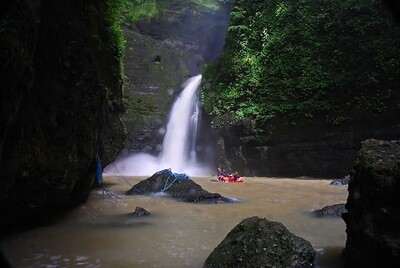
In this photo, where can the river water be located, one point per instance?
(177, 234)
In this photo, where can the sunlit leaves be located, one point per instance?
(306, 59)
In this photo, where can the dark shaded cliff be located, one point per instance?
(373, 204)
(300, 85)
(60, 101)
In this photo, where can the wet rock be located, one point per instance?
(373, 204)
(258, 242)
(331, 211)
(182, 189)
(139, 212)
(341, 182)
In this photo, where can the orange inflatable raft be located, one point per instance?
(230, 178)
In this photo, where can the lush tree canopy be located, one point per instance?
(306, 61)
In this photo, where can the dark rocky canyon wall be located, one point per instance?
(61, 90)
(300, 85)
(316, 151)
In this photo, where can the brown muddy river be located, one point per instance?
(177, 234)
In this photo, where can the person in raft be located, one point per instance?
(222, 176)
(235, 175)
(221, 172)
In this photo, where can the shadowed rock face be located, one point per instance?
(331, 211)
(258, 242)
(373, 204)
(319, 151)
(60, 102)
(182, 189)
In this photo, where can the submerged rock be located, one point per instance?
(258, 242)
(331, 211)
(182, 189)
(373, 204)
(139, 212)
(341, 182)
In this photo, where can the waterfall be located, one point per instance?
(179, 144)
(182, 122)
(193, 127)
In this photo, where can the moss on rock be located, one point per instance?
(258, 242)
(373, 204)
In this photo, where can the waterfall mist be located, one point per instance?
(179, 144)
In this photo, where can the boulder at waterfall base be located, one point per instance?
(258, 242)
(182, 189)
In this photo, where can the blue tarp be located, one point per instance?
(99, 170)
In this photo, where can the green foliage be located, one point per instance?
(306, 61)
(109, 37)
(136, 10)
(210, 4)
(112, 17)
(105, 23)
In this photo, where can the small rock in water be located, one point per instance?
(139, 212)
(331, 211)
(341, 182)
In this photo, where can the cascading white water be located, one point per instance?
(179, 145)
(177, 140)
(193, 127)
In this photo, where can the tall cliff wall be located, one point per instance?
(60, 101)
(300, 84)
(162, 51)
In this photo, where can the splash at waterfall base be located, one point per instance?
(179, 149)
(143, 164)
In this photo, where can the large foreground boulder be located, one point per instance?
(177, 186)
(373, 204)
(258, 242)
